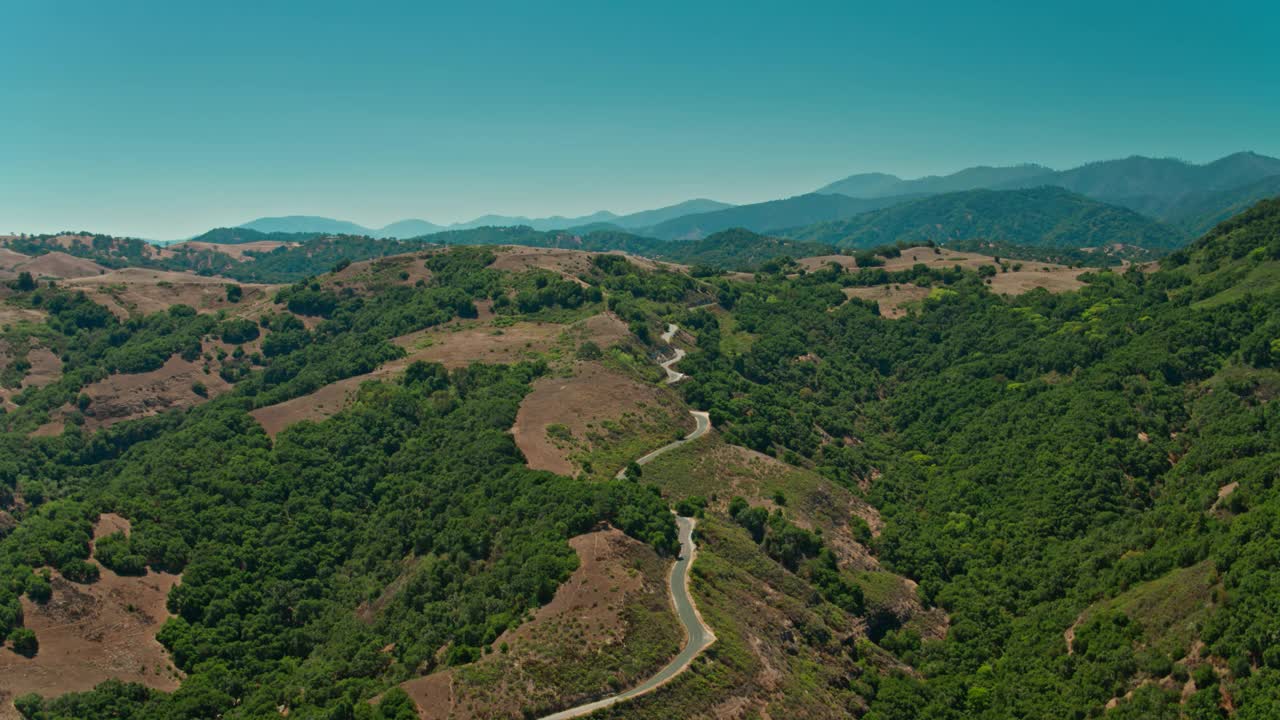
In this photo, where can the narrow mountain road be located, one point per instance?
(673, 377)
(698, 636)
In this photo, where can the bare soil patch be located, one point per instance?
(45, 367)
(563, 416)
(569, 650)
(91, 633)
(126, 397)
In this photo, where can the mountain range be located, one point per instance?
(1164, 202)
(1041, 217)
(415, 227)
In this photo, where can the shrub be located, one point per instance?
(24, 642)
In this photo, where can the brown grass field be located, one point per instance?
(574, 647)
(139, 290)
(236, 251)
(91, 633)
(896, 299)
(116, 398)
(592, 405)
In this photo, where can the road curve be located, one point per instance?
(698, 635)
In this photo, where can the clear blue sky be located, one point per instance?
(163, 119)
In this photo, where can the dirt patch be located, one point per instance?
(126, 397)
(892, 299)
(568, 651)
(138, 290)
(46, 367)
(605, 329)
(91, 633)
(560, 417)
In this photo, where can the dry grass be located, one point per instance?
(566, 418)
(575, 647)
(141, 291)
(91, 633)
(116, 398)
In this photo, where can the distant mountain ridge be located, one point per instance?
(414, 227)
(1162, 188)
(1044, 217)
(771, 215)
(877, 185)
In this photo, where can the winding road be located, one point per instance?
(698, 636)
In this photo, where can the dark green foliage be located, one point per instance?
(738, 249)
(239, 331)
(24, 642)
(691, 506)
(1039, 217)
(116, 552)
(80, 571)
(1032, 456)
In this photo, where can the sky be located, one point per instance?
(161, 120)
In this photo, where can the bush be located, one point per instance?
(79, 571)
(39, 589)
(692, 506)
(24, 642)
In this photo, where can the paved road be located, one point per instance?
(703, 424)
(698, 636)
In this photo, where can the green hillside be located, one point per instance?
(1045, 217)
(1198, 216)
(766, 216)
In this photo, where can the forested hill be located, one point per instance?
(1085, 482)
(766, 216)
(1045, 217)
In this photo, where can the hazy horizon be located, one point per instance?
(162, 123)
